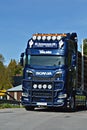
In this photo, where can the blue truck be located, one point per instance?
(50, 72)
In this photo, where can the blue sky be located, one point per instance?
(19, 19)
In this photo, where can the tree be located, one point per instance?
(2, 58)
(4, 77)
(11, 67)
(14, 69)
(85, 46)
(8, 72)
(18, 70)
(2, 73)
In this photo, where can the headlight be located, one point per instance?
(49, 86)
(40, 86)
(43, 37)
(48, 38)
(35, 86)
(29, 74)
(44, 86)
(58, 75)
(62, 96)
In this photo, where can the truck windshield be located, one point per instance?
(46, 60)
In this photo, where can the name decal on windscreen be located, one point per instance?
(45, 52)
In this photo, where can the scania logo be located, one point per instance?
(43, 73)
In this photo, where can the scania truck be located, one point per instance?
(51, 72)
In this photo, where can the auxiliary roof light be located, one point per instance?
(53, 38)
(48, 38)
(34, 37)
(59, 37)
(38, 37)
(44, 38)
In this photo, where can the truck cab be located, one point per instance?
(50, 71)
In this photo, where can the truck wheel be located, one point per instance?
(28, 108)
(72, 104)
(86, 103)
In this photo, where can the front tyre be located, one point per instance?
(86, 104)
(72, 104)
(29, 108)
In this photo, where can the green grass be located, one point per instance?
(6, 105)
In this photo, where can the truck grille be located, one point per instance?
(42, 96)
(43, 79)
(36, 99)
(42, 93)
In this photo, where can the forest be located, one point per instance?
(8, 72)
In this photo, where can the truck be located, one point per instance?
(52, 72)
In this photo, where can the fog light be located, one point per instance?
(60, 101)
(49, 86)
(44, 86)
(25, 94)
(35, 86)
(40, 86)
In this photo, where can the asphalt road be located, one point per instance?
(20, 119)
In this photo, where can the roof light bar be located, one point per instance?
(48, 36)
(41, 34)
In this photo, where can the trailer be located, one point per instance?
(52, 72)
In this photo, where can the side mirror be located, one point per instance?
(22, 54)
(22, 59)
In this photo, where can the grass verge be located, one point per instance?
(6, 105)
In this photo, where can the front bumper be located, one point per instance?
(43, 96)
(43, 102)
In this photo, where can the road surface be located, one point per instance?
(20, 119)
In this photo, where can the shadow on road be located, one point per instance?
(58, 110)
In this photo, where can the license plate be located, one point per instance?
(41, 103)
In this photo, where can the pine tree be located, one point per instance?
(85, 46)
